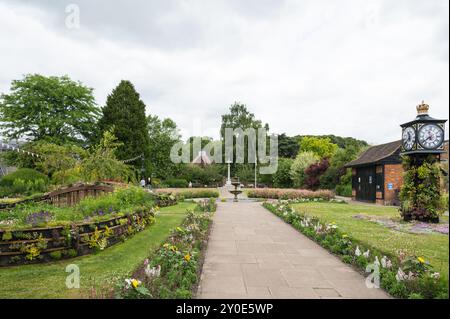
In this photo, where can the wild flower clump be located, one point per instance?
(38, 218)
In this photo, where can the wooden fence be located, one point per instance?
(64, 197)
(72, 195)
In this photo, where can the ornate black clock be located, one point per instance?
(424, 135)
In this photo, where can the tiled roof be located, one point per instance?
(376, 153)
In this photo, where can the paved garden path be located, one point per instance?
(253, 254)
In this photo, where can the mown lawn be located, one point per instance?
(48, 280)
(434, 247)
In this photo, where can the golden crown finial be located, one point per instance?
(422, 108)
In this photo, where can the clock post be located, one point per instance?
(422, 144)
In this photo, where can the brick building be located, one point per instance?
(377, 174)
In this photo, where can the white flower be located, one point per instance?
(366, 253)
(388, 264)
(376, 262)
(153, 272)
(357, 251)
(383, 261)
(400, 276)
(127, 283)
(435, 275)
(411, 275)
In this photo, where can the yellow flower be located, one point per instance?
(421, 260)
(187, 257)
(166, 245)
(344, 236)
(173, 248)
(135, 283)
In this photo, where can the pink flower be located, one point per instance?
(146, 262)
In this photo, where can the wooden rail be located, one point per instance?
(72, 195)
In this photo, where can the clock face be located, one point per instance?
(431, 136)
(409, 138)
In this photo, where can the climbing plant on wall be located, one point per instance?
(420, 194)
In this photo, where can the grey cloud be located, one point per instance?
(312, 67)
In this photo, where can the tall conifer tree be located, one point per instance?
(125, 111)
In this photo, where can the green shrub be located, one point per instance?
(190, 193)
(344, 190)
(177, 182)
(24, 174)
(56, 255)
(117, 201)
(24, 181)
(347, 259)
(7, 236)
(444, 200)
(70, 253)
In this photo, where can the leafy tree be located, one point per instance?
(314, 172)
(321, 146)
(332, 176)
(163, 135)
(55, 109)
(56, 161)
(102, 164)
(240, 117)
(301, 162)
(282, 177)
(287, 146)
(207, 175)
(341, 142)
(246, 173)
(125, 112)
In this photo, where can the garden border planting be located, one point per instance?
(401, 276)
(37, 245)
(174, 269)
(288, 193)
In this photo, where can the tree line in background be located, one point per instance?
(59, 119)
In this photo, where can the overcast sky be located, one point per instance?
(350, 68)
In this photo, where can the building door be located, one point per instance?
(366, 184)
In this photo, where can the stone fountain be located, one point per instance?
(237, 189)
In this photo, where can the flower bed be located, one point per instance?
(402, 276)
(36, 245)
(277, 193)
(106, 206)
(35, 233)
(182, 193)
(173, 270)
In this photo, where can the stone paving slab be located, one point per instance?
(252, 253)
